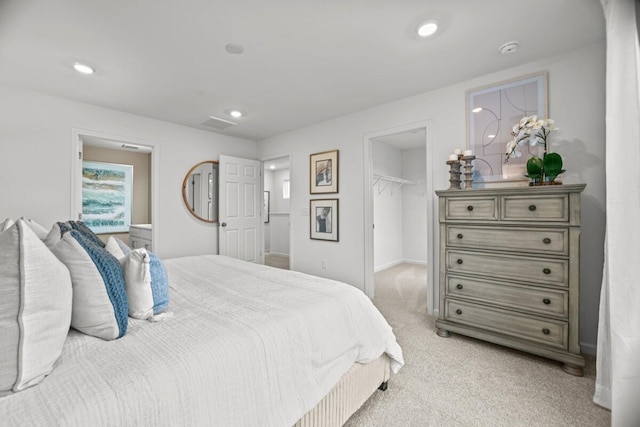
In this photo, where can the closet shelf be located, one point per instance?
(394, 180)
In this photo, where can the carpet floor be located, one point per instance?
(461, 381)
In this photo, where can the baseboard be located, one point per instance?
(388, 265)
(414, 261)
(588, 348)
(276, 253)
(400, 261)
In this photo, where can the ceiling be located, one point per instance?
(304, 61)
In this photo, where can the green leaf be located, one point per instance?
(552, 165)
(534, 168)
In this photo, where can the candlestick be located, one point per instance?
(454, 174)
(457, 151)
(453, 157)
(468, 153)
(468, 171)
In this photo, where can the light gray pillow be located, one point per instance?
(5, 224)
(35, 308)
(40, 231)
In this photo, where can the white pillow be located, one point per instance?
(40, 231)
(35, 308)
(4, 225)
(114, 247)
(100, 305)
(55, 234)
(147, 284)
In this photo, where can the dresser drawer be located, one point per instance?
(535, 208)
(537, 300)
(485, 208)
(522, 268)
(547, 331)
(541, 240)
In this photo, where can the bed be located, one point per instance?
(240, 344)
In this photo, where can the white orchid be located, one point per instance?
(529, 130)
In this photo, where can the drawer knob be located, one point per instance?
(546, 240)
(546, 331)
(458, 311)
(546, 271)
(460, 236)
(469, 208)
(532, 208)
(546, 301)
(459, 261)
(459, 286)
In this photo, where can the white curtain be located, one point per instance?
(618, 359)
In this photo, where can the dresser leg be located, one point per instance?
(573, 370)
(442, 333)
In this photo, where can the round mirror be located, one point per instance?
(200, 191)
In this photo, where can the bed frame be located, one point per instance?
(348, 395)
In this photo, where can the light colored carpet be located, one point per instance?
(461, 381)
(275, 260)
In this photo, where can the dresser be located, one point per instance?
(510, 266)
(140, 236)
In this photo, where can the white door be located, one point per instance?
(240, 204)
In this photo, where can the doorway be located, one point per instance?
(399, 203)
(101, 148)
(277, 210)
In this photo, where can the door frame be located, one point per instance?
(77, 146)
(369, 287)
(263, 160)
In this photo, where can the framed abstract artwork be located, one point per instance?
(324, 219)
(492, 111)
(324, 172)
(106, 196)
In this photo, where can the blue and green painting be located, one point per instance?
(106, 196)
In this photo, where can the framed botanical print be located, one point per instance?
(324, 219)
(324, 172)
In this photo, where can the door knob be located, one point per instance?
(224, 224)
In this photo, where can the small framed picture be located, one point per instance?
(324, 219)
(324, 172)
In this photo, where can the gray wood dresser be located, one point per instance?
(509, 268)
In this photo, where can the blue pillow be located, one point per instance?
(87, 232)
(100, 303)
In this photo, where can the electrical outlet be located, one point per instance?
(324, 264)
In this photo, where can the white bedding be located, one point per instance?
(248, 345)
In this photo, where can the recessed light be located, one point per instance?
(235, 114)
(83, 68)
(476, 110)
(427, 28)
(491, 136)
(273, 166)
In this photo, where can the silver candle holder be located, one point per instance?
(468, 171)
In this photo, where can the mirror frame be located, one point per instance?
(184, 191)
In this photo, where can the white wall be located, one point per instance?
(414, 206)
(387, 207)
(36, 152)
(576, 103)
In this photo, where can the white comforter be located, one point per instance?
(248, 346)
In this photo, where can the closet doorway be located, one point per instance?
(398, 209)
(276, 212)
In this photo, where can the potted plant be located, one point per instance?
(541, 171)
